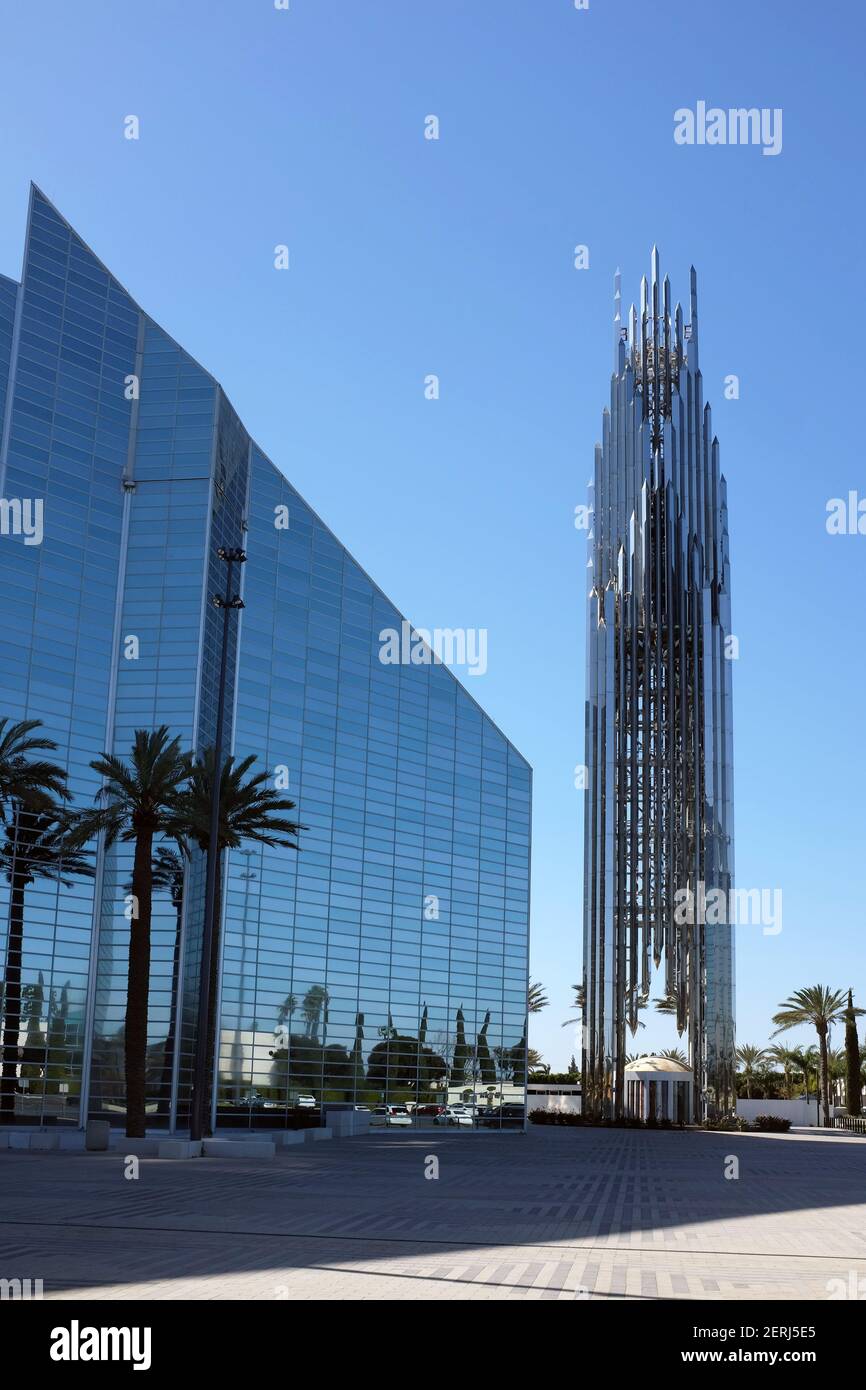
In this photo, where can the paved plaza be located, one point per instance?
(553, 1214)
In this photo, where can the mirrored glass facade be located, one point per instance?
(658, 837)
(383, 964)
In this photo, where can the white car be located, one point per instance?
(306, 1102)
(391, 1115)
(455, 1115)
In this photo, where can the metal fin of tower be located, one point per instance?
(658, 829)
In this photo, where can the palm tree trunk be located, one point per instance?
(12, 1000)
(138, 986)
(214, 985)
(825, 1079)
(168, 1055)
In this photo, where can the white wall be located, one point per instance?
(563, 1104)
(797, 1111)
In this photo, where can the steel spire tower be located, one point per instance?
(658, 832)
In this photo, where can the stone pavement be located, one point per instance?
(553, 1214)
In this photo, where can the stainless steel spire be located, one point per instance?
(658, 831)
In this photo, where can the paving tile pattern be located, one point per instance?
(553, 1214)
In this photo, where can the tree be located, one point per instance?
(578, 1004)
(809, 1064)
(249, 809)
(315, 1009)
(536, 999)
(37, 846)
(669, 1004)
(853, 1083)
(460, 1060)
(751, 1059)
(25, 780)
(787, 1059)
(137, 802)
(821, 1007)
(486, 1064)
(674, 1054)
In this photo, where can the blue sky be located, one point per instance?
(408, 257)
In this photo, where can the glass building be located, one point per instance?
(658, 828)
(384, 962)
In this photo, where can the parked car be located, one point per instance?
(451, 1115)
(430, 1109)
(306, 1102)
(391, 1115)
(252, 1102)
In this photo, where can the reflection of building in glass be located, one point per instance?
(659, 809)
(386, 959)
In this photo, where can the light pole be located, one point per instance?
(200, 1082)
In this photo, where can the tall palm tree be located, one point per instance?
(536, 999)
(25, 780)
(37, 846)
(751, 1059)
(249, 809)
(577, 1004)
(821, 1007)
(788, 1060)
(137, 802)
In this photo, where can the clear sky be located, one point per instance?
(305, 127)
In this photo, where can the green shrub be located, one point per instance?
(772, 1124)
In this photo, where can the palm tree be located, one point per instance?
(674, 1054)
(536, 999)
(821, 1007)
(788, 1060)
(137, 802)
(578, 1003)
(37, 846)
(315, 1005)
(23, 779)
(669, 1005)
(751, 1059)
(248, 810)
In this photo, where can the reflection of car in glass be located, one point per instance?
(454, 1115)
(252, 1102)
(391, 1115)
(306, 1102)
(504, 1116)
(430, 1109)
(364, 1108)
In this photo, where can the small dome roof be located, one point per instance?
(658, 1064)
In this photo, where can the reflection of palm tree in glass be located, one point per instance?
(315, 1009)
(247, 875)
(168, 875)
(485, 1061)
(356, 1060)
(461, 1052)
